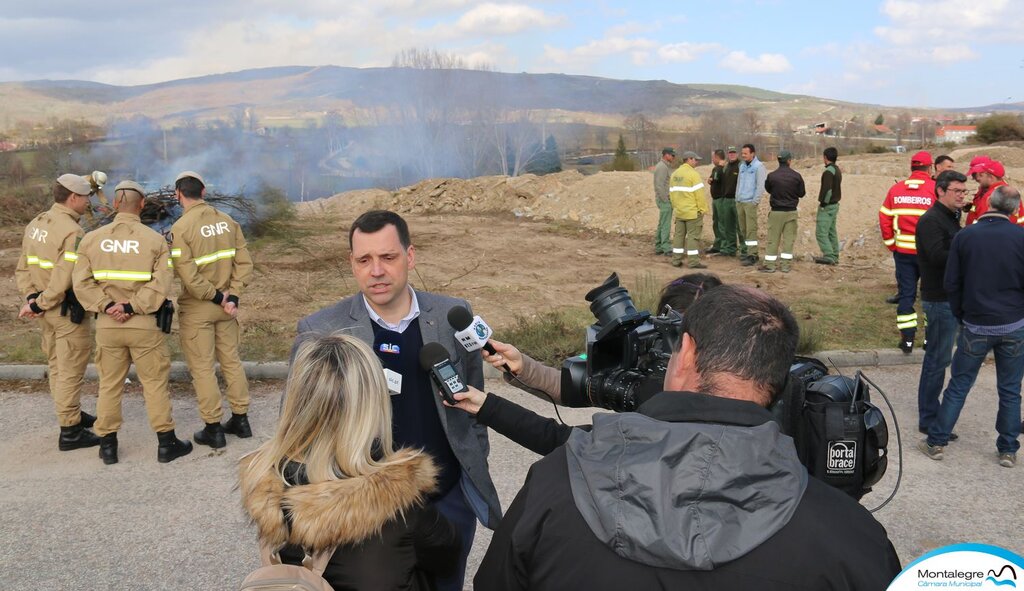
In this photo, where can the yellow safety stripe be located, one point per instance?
(885, 210)
(903, 325)
(34, 260)
(70, 256)
(121, 275)
(906, 317)
(216, 256)
(176, 253)
(913, 212)
(889, 242)
(683, 189)
(170, 264)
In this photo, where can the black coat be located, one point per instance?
(387, 539)
(785, 186)
(935, 231)
(574, 526)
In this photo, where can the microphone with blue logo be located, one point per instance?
(472, 332)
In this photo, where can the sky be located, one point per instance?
(927, 53)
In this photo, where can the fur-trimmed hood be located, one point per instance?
(337, 512)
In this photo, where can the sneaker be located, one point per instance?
(906, 347)
(1007, 460)
(932, 451)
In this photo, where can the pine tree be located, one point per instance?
(622, 161)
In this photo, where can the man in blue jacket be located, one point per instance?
(985, 285)
(749, 189)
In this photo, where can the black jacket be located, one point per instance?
(718, 181)
(935, 231)
(785, 186)
(831, 185)
(524, 427)
(386, 537)
(690, 492)
(985, 272)
(730, 179)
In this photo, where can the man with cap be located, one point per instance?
(689, 204)
(905, 203)
(49, 250)
(662, 173)
(727, 213)
(989, 175)
(829, 194)
(123, 274)
(213, 263)
(749, 189)
(785, 187)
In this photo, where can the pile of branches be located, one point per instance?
(160, 209)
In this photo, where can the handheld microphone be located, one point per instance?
(434, 360)
(471, 330)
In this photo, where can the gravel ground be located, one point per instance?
(69, 522)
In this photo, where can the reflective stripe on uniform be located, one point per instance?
(914, 212)
(42, 263)
(170, 264)
(176, 252)
(786, 256)
(906, 320)
(678, 251)
(121, 275)
(770, 257)
(216, 256)
(680, 188)
(750, 242)
(693, 252)
(70, 256)
(889, 242)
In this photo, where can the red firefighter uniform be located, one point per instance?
(980, 205)
(905, 203)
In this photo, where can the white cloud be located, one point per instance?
(503, 19)
(637, 49)
(685, 52)
(766, 63)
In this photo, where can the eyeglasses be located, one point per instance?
(958, 191)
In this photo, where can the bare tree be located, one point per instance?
(642, 130)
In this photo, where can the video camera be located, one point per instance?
(840, 436)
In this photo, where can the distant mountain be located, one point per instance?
(359, 94)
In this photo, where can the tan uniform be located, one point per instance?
(210, 257)
(125, 261)
(48, 255)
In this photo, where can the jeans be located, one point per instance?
(455, 507)
(970, 353)
(940, 332)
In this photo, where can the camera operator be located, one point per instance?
(540, 434)
(698, 488)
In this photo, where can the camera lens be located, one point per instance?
(610, 302)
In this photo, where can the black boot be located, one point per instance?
(87, 420)
(108, 448)
(76, 437)
(171, 447)
(238, 425)
(212, 434)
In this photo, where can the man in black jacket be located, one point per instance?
(698, 489)
(785, 186)
(985, 284)
(935, 232)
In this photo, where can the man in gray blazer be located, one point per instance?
(397, 320)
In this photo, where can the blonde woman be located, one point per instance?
(329, 478)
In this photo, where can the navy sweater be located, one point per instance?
(414, 416)
(985, 273)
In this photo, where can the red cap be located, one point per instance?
(979, 159)
(994, 167)
(922, 158)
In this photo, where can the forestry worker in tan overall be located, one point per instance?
(43, 274)
(212, 261)
(123, 274)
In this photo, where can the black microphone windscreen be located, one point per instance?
(431, 354)
(459, 318)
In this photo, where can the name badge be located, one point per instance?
(394, 381)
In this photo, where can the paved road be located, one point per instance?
(68, 522)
